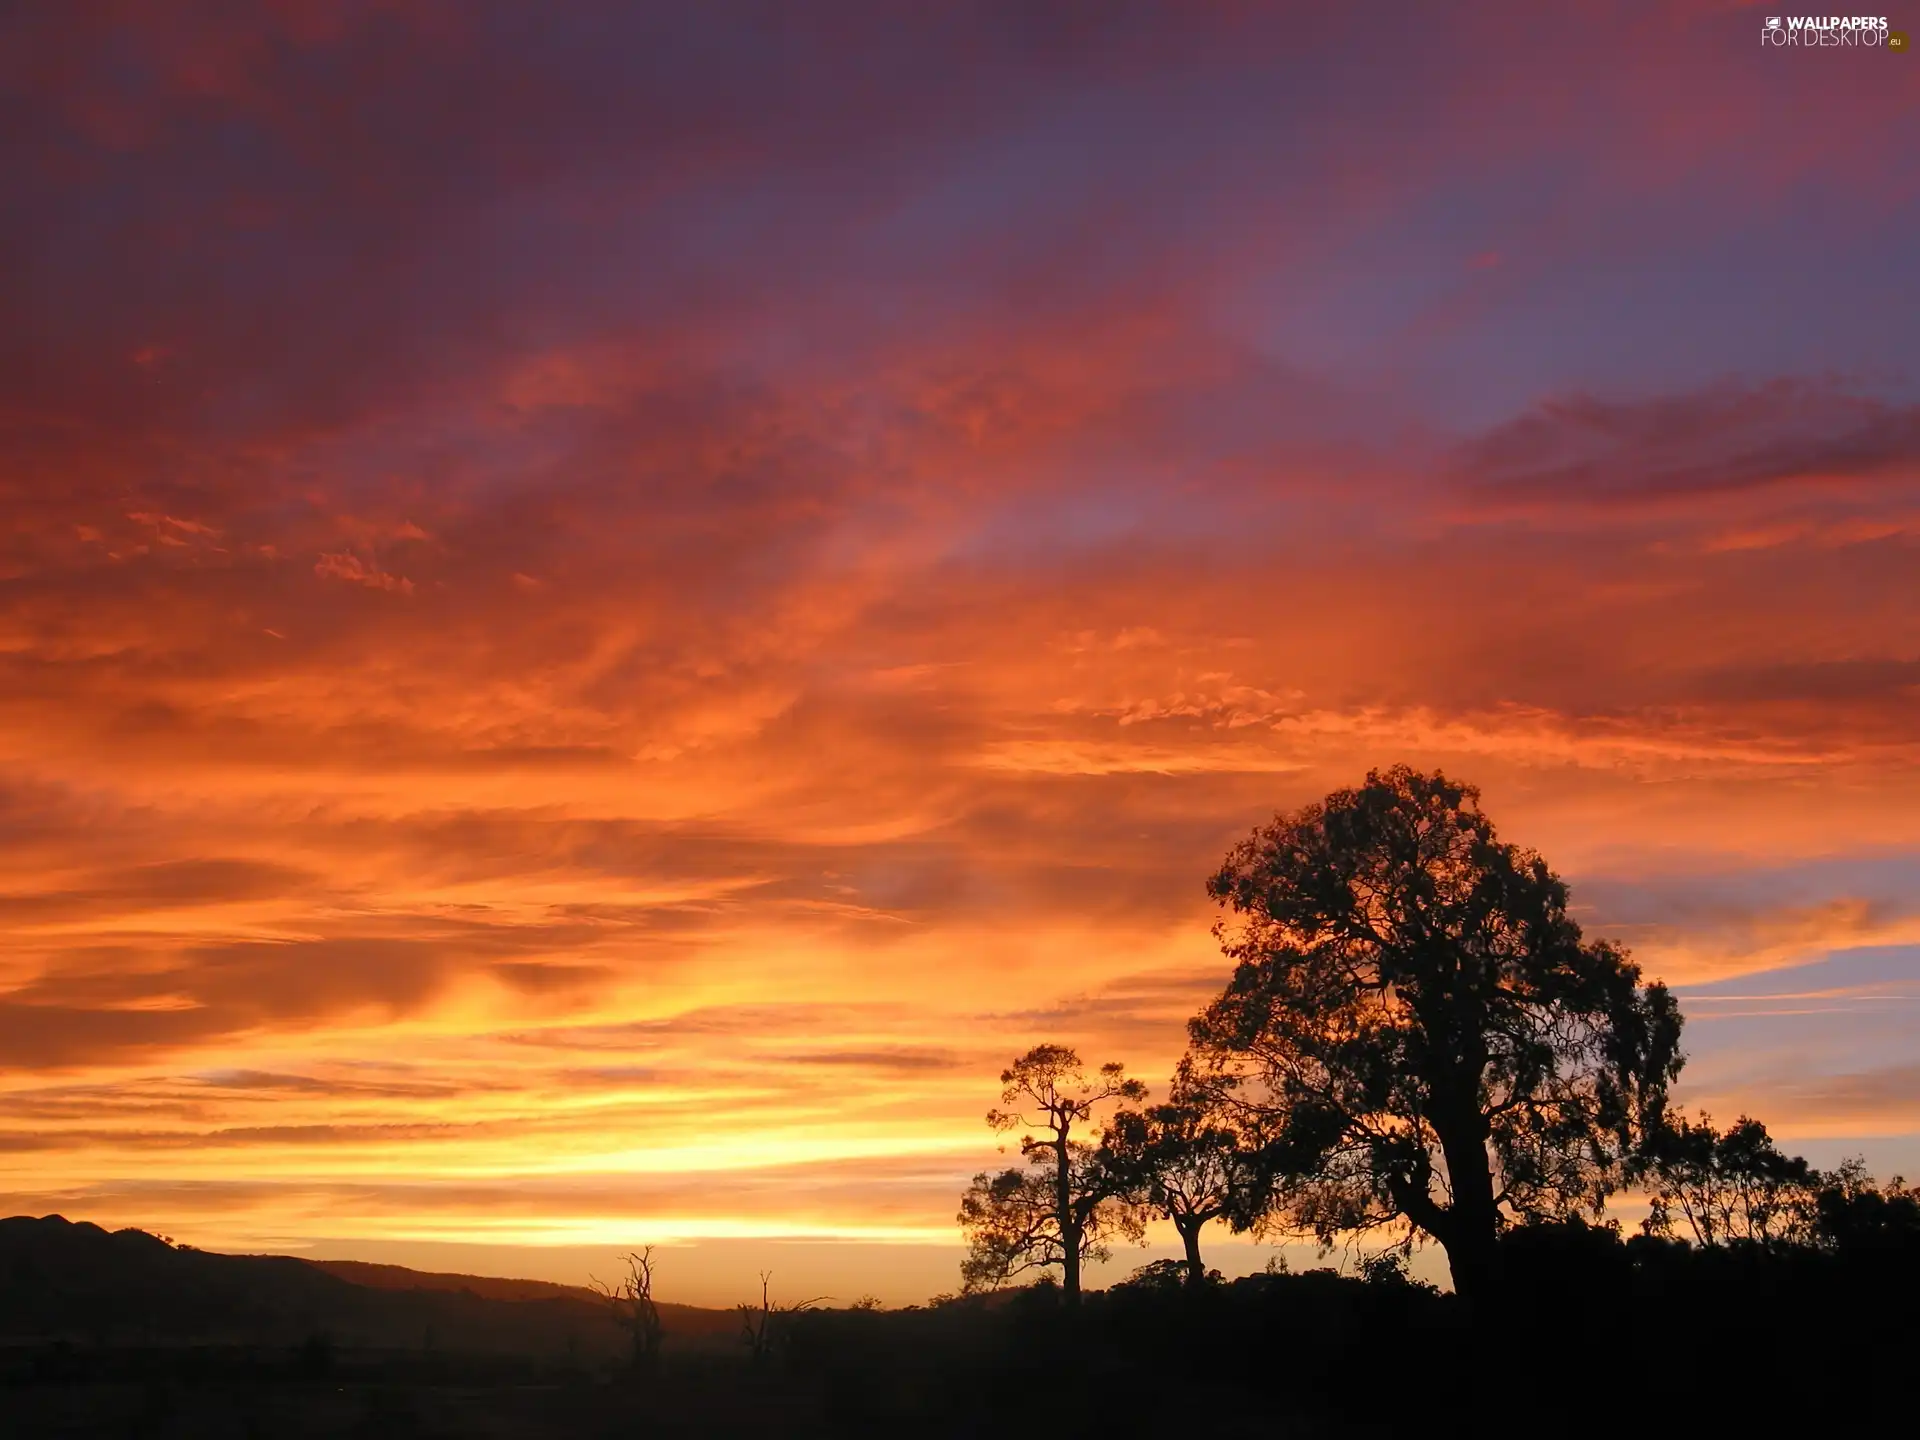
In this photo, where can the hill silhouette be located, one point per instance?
(74, 1281)
(687, 1322)
(377, 1276)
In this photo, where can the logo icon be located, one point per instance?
(1773, 22)
(1897, 40)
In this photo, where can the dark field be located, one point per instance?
(121, 1335)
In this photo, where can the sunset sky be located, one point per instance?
(605, 609)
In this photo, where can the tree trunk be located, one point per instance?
(1189, 1229)
(1069, 1227)
(1472, 1220)
(1471, 1258)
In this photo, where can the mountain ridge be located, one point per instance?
(74, 1280)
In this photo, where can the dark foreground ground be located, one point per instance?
(122, 1336)
(377, 1400)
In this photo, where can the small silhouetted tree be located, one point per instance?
(1415, 1029)
(1059, 1206)
(631, 1299)
(1181, 1160)
(763, 1326)
(1726, 1187)
(756, 1322)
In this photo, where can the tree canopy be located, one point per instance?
(1726, 1187)
(1182, 1160)
(1417, 1033)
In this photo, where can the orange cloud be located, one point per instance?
(346, 566)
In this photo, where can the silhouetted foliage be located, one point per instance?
(1181, 1160)
(1164, 1275)
(1389, 1268)
(1415, 1030)
(1731, 1187)
(1855, 1216)
(1057, 1208)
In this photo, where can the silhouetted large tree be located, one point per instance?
(1415, 1029)
(1056, 1208)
